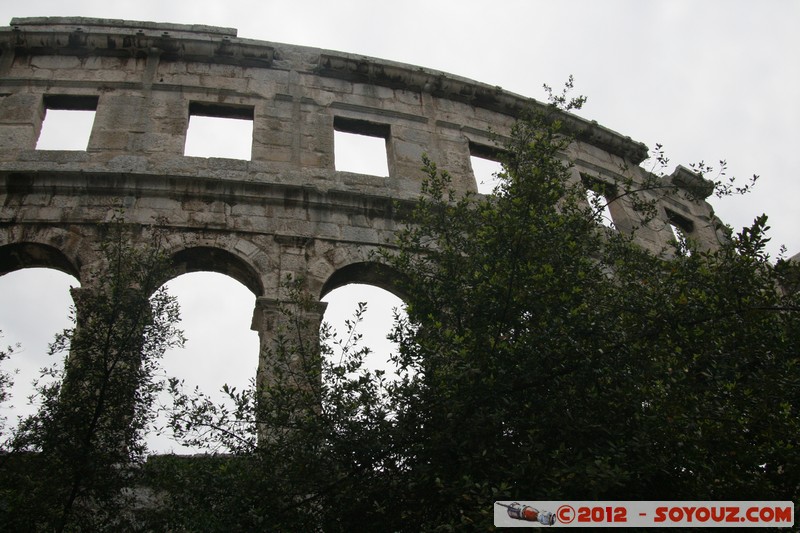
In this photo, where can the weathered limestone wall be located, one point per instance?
(285, 211)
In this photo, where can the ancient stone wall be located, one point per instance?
(285, 211)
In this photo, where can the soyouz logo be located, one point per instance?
(528, 513)
(644, 513)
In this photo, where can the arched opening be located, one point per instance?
(375, 326)
(32, 255)
(35, 307)
(207, 259)
(367, 273)
(216, 312)
(376, 285)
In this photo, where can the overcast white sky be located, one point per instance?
(708, 79)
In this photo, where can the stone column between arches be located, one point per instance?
(103, 369)
(289, 356)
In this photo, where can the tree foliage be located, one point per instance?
(559, 360)
(559, 363)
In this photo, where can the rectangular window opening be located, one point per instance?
(219, 131)
(68, 122)
(598, 194)
(680, 223)
(360, 146)
(485, 162)
(681, 227)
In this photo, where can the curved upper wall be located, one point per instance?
(144, 80)
(83, 37)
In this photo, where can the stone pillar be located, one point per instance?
(102, 369)
(21, 117)
(120, 123)
(288, 375)
(288, 333)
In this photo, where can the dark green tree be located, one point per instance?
(74, 464)
(544, 357)
(558, 360)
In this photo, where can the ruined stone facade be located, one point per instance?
(285, 211)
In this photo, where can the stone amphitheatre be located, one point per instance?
(287, 210)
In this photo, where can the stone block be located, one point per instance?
(16, 137)
(22, 107)
(52, 62)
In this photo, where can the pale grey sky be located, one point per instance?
(710, 79)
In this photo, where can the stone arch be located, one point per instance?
(368, 273)
(210, 259)
(19, 255)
